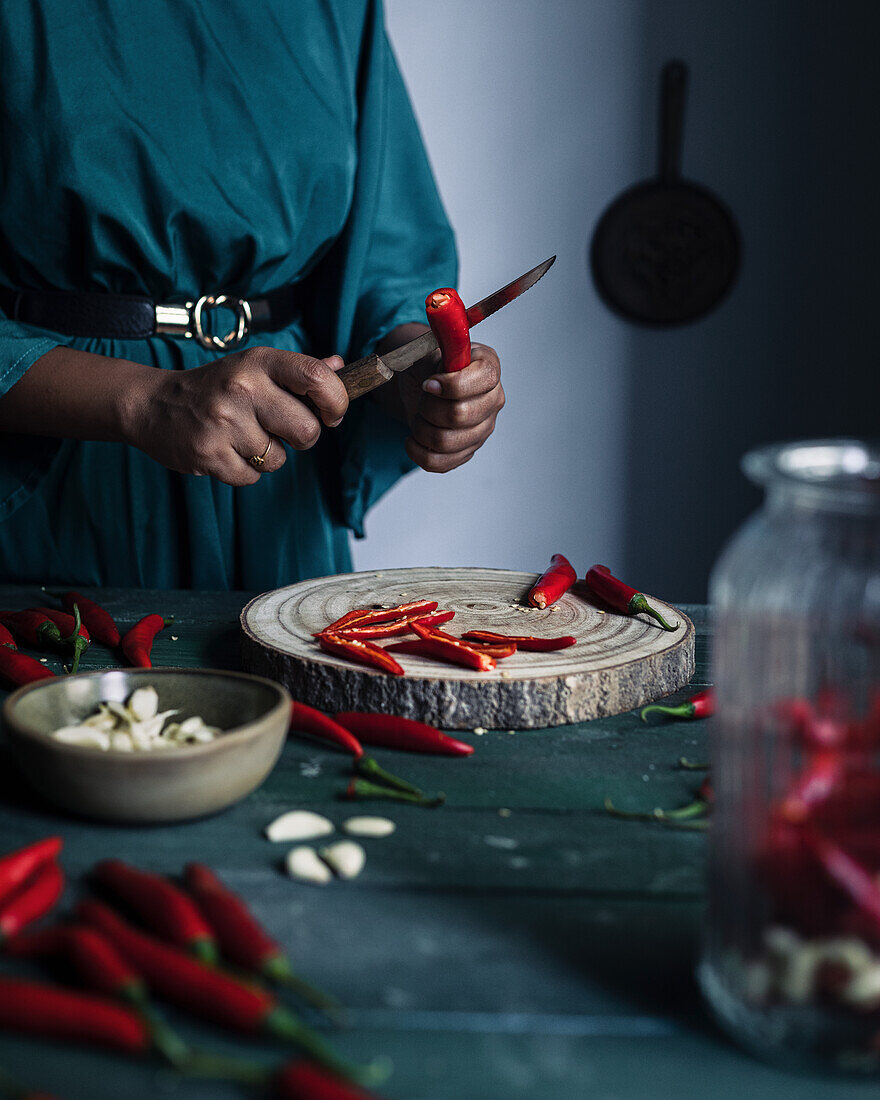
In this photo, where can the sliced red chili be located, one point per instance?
(848, 875)
(396, 627)
(418, 648)
(555, 582)
(161, 906)
(448, 319)
(242, 938)
(448, 648)
(137, 642)
(521, 641)
(701, 705)
(813, 786)
(620, 596)
(17, 867)
(373, 616)
(394, 732)
(364, 653)
(32, 900)
(54, 1013)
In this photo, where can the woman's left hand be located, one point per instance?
(450, 415)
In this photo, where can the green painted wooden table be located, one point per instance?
(517, 942)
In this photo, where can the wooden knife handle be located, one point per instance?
(364, 375)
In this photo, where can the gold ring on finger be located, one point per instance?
(259, 461)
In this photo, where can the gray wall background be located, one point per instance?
(621, 444)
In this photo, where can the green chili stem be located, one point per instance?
(368, 767)
(277, 969)
(639, 604)
(683, 710)
(683, 762)
(682, 813)
(285, 1025)
(361, 788)
(74, 638)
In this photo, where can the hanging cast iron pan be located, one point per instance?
(666, 251)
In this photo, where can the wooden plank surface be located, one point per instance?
(619, 662)
(542, 953)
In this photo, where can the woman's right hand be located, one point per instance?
(212, 419)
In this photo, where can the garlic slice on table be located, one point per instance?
(298, 825)
(303, 864)
(346, 858)
(368, 826)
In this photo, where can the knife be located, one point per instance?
(366, 374)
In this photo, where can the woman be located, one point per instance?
(158, 153)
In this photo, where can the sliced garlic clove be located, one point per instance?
(368, 826)
(121, 742)
(143, 703)
(100, 721)
(118, 711)
(84, 736)
(346, 858)
(298, 825)
(303, 864)
(191, 725)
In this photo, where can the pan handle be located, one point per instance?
(673, 85)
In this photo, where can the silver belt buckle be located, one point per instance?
(188, 320)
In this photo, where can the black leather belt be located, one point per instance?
(96, 315)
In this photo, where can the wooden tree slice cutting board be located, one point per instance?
(619, 662)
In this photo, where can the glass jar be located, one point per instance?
(791, 957)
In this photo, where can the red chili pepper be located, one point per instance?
(31, 901)
(32, 627)
(392, 732)
(848, 875)
(37, 944)
(447, 317)
(17, 867)
(813, 786)
(18, 669)
(365, 653)
(6, 638)
(161, 906)
(521, 641)
(555, 582)
(305, 1081)
(306, 719)
(372, 616)
(373, 631)
(448, 648)
(74, 632)
(204, 990)
(620, 596)
(701, 705)
(243, 940)
(706, 791)
(419, 648)
(99, 622)
(54, 1013)
(137, 642)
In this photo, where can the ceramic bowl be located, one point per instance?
(168, 785)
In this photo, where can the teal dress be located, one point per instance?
(174, 148)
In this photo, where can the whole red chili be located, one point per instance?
(555, 582)
(6, 638)
(54, 1013)
(203, 990)
(32, 627)
(161, 906)
(32, 900)
(19, 669)
(301, 1080)
(74, 633)
(620, 596)
(137, 642)
(848, 875)
(521, 641)
(306, 719)
(99, 622)
(392, 732)
(447, 317)
(813, 786)
(701, 705)
(17, 867)
(242, 939)
(365, 653)
(448, 648)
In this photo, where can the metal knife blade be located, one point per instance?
(423, 345)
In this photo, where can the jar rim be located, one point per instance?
(837, 471)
